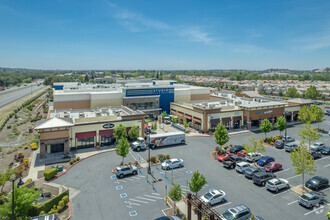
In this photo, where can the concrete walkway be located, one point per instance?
(183, 208)
(33, 171)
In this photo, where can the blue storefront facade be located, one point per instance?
(166, 95)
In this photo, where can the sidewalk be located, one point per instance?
(33, 171)
(183, 208)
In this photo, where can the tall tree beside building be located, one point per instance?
(306, 115)
(175, 194)
(309, 134)
(303, 162)
(280, 124)
(221, 135)
(197, 182)
(185, 125)
(256, 146)
(133, 133)
(122, 148)
(292, 92)
(120, 132)
(312, 92)
(318, 114)
(266, 126)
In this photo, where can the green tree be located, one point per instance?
(133, 132)
(312, 92)
(292, 92)
(122, 148)
(24, 198)
(221, 135)
(256, 146)
(4, 177)
(175, 194)
(163, 114)
(309, 134)
(306, 115)
(303, 162)
(323, 97)
(280, 92)
(185, 125)
(266, 126)
(197, 182)
(318, 114)
(120, 132)
(154, 125)
(174, 119)
(280, 124)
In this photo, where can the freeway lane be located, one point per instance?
(8, 97)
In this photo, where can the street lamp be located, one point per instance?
(149, 168)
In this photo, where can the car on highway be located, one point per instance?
(289, 147)
(241, 166)
(250, 171)
(262, 177)
(310, 199)
(325, 151)
(241, 153)
(272, 166)
(251, 157)
(265, 160)
(317, 182)
(317, 146)
(287, 139)
(240, 212)
(213, 197)
(126, 170)
(279, 144)
(225, 156)
(277, 184)
(315, 154)
(236, 149)
(172, 163)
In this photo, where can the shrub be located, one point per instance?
(37, 118)
(167, 156)
(72, 161)
(28, 181)
(26, 160)
(34, 147)
(26, 147)
(42, 213)
(9, 127)
(53, 210)
(50, 173)
(78, 158)
(47, 205)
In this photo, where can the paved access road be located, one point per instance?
(15, 93)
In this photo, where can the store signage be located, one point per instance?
(215, 117)
(107, 126)
(236, 113)
(268, 112)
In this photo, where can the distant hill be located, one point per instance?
(324, 70)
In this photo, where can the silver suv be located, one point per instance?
(310, 199)
(318, 146)
(240, 212)
(290, 147)
(126, 170)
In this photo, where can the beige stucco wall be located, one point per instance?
(292, 108)
(230, 114)
(81, 104)
(54, 135)
(106, 103)
(182, 98)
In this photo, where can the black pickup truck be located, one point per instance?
(231, 161)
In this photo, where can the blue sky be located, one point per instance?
(165, 34)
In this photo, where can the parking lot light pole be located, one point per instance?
(149, 168)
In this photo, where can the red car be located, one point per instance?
(273, 166)
(241, 153)
(225, 156)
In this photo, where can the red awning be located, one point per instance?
(86, 134)
(106, 132)
(173, 111)
(197, 120)
(187, 116)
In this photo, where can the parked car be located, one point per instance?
(317, 146)
(262, 177)
(287, 139)
(168, 218)
(327, 112)
(264, 160)
(251, 157)
(241, 153)
(317, 182)
(310, 199)
(315, 154)
(279, 144)
(325, 151)
(250, 171)
(241, 166)
(240, 212)
(277, 184)
(273, 166)
(225, 156)
(126, 170)
(214, 196)
(172, 163)
(290, 147)
(232, 161)
(236, 149)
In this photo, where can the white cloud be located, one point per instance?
(196, 35)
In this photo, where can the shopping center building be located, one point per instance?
(235, 112)
(65, 130)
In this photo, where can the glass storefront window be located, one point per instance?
(85, 142)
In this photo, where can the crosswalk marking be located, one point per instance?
(156, 194)
(135, 200)
(152, 200)
(155, 197)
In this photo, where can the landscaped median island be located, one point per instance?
(272, 140)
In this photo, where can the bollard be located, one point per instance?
(172, 179)
(165, 174)
(166, 200)
(186, 193)
(147, 177)
(153, 182)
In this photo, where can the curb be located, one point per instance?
(69, 206)
(79, 162)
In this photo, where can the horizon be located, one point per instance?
(167, 35)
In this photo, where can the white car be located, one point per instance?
(276, 184)
(172, 163)
(318, 146)
(251, 157)
(241, 166)
(214, 196)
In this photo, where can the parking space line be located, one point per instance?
(283, 171)
(122, 181)
(135, 200)
(321, 207)
(152, 200)
(285, 191)
(131, 203)
(322, 159)
(228, 203)
(156, 194)
(132, 155)
(293, 177)
(135, 178)
(327, 165)
(154, 197)
(290, 203)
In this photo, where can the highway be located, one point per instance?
(13, 94)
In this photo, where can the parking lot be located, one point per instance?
(103, 196)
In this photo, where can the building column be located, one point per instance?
(43, 150)
(248, 124)
(66, 147)
(291, 116)
(142, 127)
(231, 124)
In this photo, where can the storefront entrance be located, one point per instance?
(107, 140)
(85, 142)
(55, 148)
(237, 124)
(255, 123)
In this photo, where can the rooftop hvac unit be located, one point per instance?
(204, 104)
(66, 115)
(98, 113)
(81, 115)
